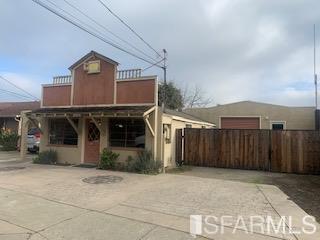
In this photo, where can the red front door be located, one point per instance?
(92, 143)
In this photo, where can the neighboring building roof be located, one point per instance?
(91, 54)
(251, 102)
(11, 109)
(184, 115)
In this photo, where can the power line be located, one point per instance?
(21, 89)
(130, 28)
(152, 65)
(88, 31)
(106, 29)
(79, 20)
(16, 94)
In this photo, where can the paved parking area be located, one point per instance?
(13, 157)
(304, 190)
(53, 202)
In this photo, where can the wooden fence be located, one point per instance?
(291, 151)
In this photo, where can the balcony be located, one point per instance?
(128, 74)
(62, 79)
(121, 75)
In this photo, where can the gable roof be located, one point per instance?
(185, 115)
(11, 109)
(92, 54)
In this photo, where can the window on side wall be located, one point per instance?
(278, 125)
(62, 133)
(127, 132)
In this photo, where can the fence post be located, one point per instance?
(179, 137)
(270, 150)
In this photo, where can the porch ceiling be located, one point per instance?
(92, 111)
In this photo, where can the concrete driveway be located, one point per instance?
(53, 202)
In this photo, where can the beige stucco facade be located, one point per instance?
(295, 118)
(75, 154)
(160, 137)
(171, 123)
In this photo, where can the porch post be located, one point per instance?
(155, 137)
(24, 133)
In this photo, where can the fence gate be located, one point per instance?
(277, 151)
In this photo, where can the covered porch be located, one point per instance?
(79, 134)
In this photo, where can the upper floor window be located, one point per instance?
(127, 132)
(61, 132)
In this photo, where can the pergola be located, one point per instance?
(93, 113)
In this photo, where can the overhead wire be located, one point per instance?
(152, 65)
(106, 29)
(94, 34)
(21, 89)
(130, 28)
(79, 20)
(14, 93)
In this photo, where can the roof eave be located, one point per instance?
(90, 54)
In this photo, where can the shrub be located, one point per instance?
(108, 159)
(130, 164)
(8, 140)
(46, 157)
(144, 163)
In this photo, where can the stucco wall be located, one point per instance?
(74, 154)
(66, 154)
(165, 150)
(169, 155)
(295, 117)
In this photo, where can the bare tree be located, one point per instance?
(195, 97)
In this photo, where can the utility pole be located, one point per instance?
(314, 66)
(164, 67)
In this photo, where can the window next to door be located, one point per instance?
(127, 132)
(278, 125)
(61, 132)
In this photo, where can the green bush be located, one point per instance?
(46, 157)
(130, 164)
(8, 140)
(144, 163)
(108, 159)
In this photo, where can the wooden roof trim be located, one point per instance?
(92, 54)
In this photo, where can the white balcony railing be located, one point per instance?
(122, 74)
(127, 74)
(62, 79)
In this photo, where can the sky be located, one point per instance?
(233, 50)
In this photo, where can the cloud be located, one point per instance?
(27, 83)
(235, 50)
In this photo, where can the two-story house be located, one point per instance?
(98, 106)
